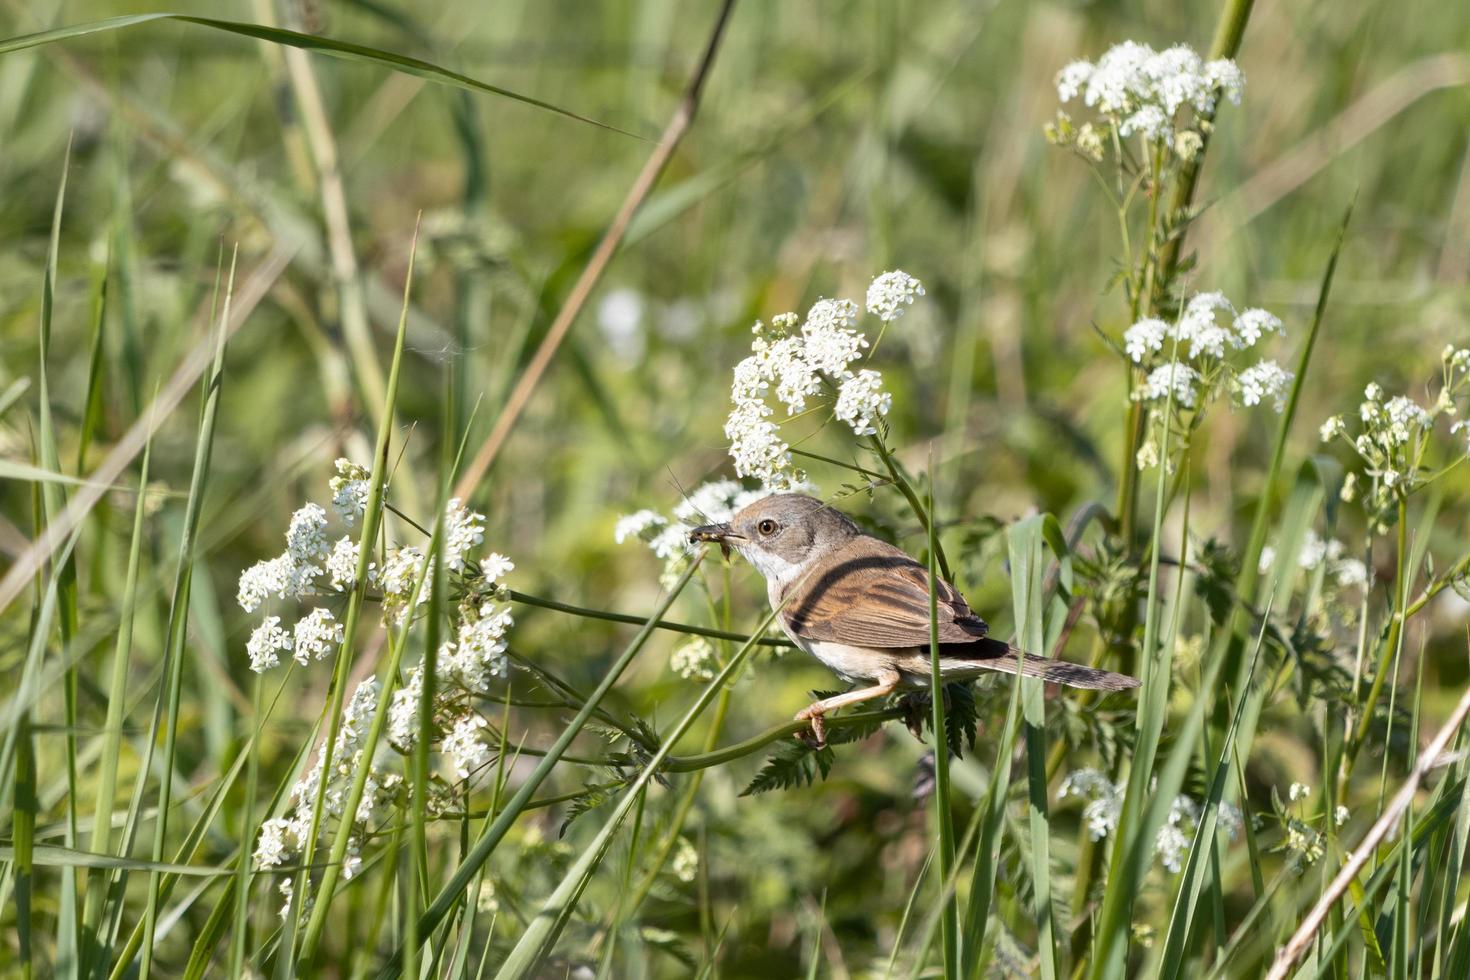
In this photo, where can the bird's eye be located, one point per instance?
(766, 526)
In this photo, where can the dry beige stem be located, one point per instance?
(1307, 931)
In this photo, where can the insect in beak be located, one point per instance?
(719, 533)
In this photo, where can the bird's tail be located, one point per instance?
(990, 654)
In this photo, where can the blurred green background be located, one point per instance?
(835, 140)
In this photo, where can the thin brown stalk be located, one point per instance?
(317, 128)
(1365, 851)
(653, 168)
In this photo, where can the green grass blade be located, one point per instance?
(1260, 522)
(92, 921)
(370, 524)
(451, 893)
(92, 407)
(177, 633)
(22, 831)
(67, 942)
(986, 869)
(55, 856)
(908, 911)
(543, 930)
(13, 393)
(331, 47)
(1024, 544)
(1192, 878)
(949, 923)
(11, 469)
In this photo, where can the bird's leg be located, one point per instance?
(815, 712)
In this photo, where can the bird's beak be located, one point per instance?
(712, 532)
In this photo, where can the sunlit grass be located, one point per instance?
(231, 227)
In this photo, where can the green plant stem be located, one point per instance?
(116, 702)
(1390, 645)
(1456, 572)
(905, 488)
(1229, 30)
(177, 632)
(949, 925)
(452, 892)
(681, 809)
(1142, 299)
(371, 520)
(662, 624)
(861, 471)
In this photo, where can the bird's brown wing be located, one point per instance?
(870, 594)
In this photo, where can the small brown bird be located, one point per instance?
(861, 606)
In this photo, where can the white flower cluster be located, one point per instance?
(714, 502)
(1105, 804)
(464, 669)
(1105, 800)
(1347, 573)
(1189, 362)
(349, 490)
(891, 293)
(1208, 331)
(685, 863)
(799, 363)
(1263, 381)
(695, 660)
(466, 665)
(1166, 97)
(1394, 435)
(310, 555)
(282, 838)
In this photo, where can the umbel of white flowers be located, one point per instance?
(799, 359)
(1105, 804)
(1195, 358)
(1394, 435)
(1166, 98)
(467, 664)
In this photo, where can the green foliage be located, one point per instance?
(794, 764)
(636, 803)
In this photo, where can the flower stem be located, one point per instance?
(905, 488)
(662, 624)
(1395, 635)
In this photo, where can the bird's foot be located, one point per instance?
(814, 737)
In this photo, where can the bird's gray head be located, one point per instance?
(779, 534)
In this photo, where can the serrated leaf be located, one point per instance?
(792, 764)
(590, 800)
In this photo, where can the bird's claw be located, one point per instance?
(814, 737)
